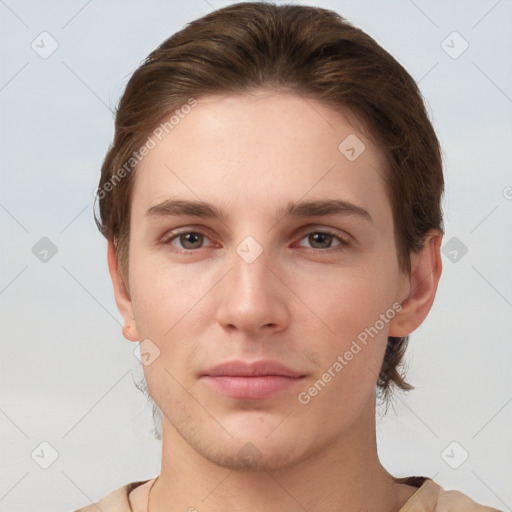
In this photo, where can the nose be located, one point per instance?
(254, 298)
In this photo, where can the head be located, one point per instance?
(246, 111)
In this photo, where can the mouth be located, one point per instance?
(252, 381)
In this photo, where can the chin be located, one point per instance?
(254, 443)
(250, 457)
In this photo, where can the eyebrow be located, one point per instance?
(175, 207)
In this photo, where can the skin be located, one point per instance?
(301, 302)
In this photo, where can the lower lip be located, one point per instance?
(252, 388)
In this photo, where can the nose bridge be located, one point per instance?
(250, 271)
(250, 275)
(251, 298)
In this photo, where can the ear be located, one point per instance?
(122, 296)
(426, 267)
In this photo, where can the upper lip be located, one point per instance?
(251, 369)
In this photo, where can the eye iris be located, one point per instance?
(192, 238)
(320, 238)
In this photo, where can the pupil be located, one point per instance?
(189, 238)
(321, 237)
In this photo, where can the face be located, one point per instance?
(275, 276)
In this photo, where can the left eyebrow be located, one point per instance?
(325, 207)
(174, 207)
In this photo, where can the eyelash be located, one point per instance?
(170, 237)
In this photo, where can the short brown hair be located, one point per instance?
(309, 51)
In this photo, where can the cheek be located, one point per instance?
(169, 303)
(161, 293)
(348, 300)
(349, 355)
(357, 306)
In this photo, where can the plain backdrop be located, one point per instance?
(67, 374)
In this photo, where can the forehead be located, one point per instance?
(259, 151)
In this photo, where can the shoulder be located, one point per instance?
(115, 501)
(431, 497)
(456, 501)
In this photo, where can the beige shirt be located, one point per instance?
(430, 497)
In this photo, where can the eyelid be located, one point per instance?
(173, 234)
(343, 236)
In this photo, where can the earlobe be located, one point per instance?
(121, 294)
(426, 267)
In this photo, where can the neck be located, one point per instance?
(344, 475)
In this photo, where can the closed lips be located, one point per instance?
(252, 369)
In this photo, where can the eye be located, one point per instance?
(188, 240)
(319, 240)
(324, 240)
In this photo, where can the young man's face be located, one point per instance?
(261, 285)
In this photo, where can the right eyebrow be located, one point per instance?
(172, 207)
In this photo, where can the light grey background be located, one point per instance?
(66, 371)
